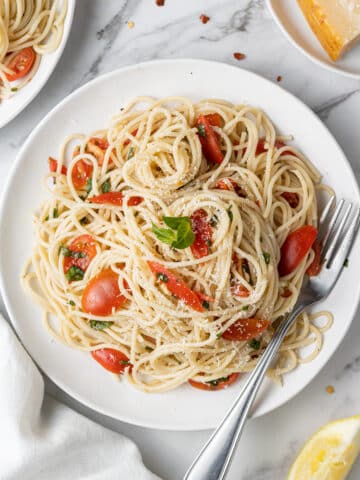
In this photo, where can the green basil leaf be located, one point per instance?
(175, 222)
(100, 325)
(185, 236)
(164, 234)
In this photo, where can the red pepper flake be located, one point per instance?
(279, 78)
(239, 56)
(204, 18)
(160, 3)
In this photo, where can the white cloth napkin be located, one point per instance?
(42, 439)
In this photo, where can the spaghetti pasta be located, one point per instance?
(28, 30)
(193, 244)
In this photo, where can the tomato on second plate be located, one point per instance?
(245, 329)
(261, 146)
(295, 248)
(217, 384)
(53, 164)
(102, 294)
(115, 198)
(97, 146)
(83, 250)
(111, 359)
(209, 139)
(81, 172)
(21, 64)
(203, 233)
(176, 286)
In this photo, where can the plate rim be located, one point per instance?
(5, 199)
(331, 68)
(59, 52)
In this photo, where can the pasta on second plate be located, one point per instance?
(29, 29)
(173, 241)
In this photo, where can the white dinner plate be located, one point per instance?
(89, 109)
(11, 107)
(293, 24)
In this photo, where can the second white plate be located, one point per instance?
(292, 23)
(11, 107)
(89, 109)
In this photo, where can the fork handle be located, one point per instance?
(214, 459)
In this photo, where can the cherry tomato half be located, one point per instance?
(102, 294)
(203, 233)
(53, 166)
(209, 139)
(115, 198)
(295, 248)
(21, 64)
(82, 245)
(245, 329)
(111, 359)
(176, 286)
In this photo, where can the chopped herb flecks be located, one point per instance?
(206, 304)
(100, 325)
(162, 277)
(106, 186)
(267, 257)
(214, 220)
(74, 273)
(254, 344)
(201, 130)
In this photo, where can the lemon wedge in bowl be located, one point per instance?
(330, 453)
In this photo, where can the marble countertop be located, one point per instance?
(101, 41)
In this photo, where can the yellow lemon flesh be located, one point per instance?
(330, 453)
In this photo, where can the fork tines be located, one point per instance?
(337, 230)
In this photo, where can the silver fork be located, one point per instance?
(337, 231)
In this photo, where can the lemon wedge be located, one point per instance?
(330, 453)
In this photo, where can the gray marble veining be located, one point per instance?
(101, 41)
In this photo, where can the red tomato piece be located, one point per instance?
(315, 267)
(215, 384)
(292, 198)
(230, 185)
(245, 329)
(176, 286)
(203, 233)
(53, 166)
(127, 141)
(239, 290)
(215, 119)
(21, 64)
(97, 147)
(295, 248)
(80, 174)
(115, 198)
(204, 298)
(286, 293)
(85, 244)
(261, 146)
(209, 140)
(102, 294)
(111, 359)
